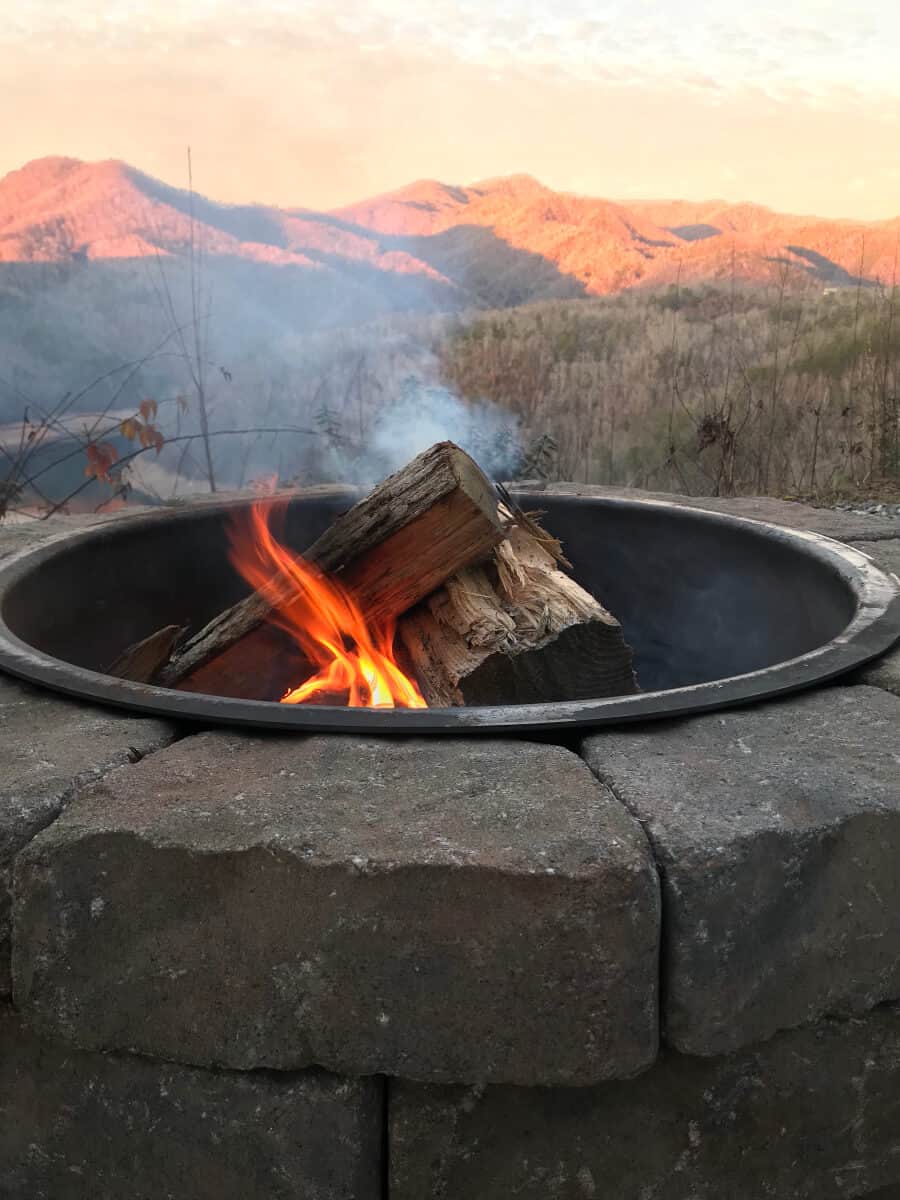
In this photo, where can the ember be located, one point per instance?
(348, 657)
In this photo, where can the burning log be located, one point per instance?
(486, 615)
(263, 665)
(515, 630)
(432, 518)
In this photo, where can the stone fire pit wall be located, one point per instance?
(658, 962)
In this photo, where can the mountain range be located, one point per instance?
(101, 264)
(498, 242)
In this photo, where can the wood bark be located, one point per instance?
(515, 630)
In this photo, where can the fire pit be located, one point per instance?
(662, 959)
(719, 611)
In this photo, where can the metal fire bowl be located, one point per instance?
(719, 610)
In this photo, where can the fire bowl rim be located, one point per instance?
(873, 630)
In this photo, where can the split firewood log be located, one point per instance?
(515, 630)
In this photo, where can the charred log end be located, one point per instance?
(584, 662)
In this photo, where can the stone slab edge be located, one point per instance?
(27, 807)
(778, 877)
(885, 671)
(435, 909)
(76, 1125)
(813, 1114)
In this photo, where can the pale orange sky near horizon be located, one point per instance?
(310, 104)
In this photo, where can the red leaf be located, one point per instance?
(101, 458)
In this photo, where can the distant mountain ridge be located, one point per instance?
(56, 208)
(432, 245)
(608, 245)
(96, 270)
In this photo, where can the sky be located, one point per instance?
(322, 102)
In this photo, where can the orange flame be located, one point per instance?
(323, 619)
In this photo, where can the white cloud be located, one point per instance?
(811, 52)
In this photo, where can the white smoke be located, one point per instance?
(371, 400)
(422, 414)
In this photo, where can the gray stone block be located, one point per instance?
(447, 910)
(50, 749)
(777, 833)
(83, 1126)
(885, 671)
(884, 554)
(813, 1113)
